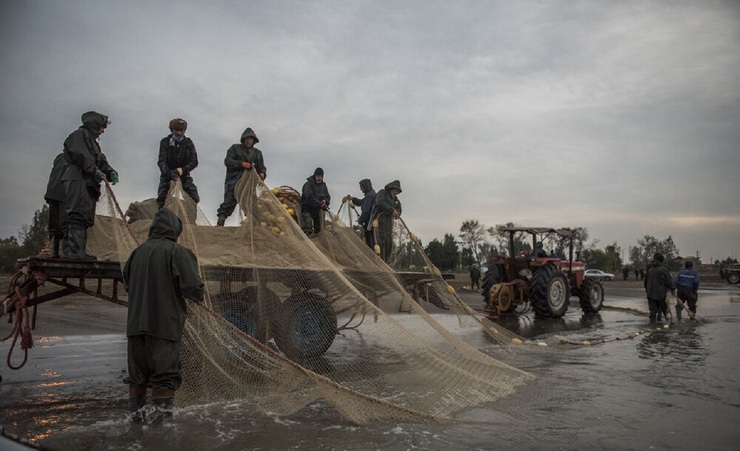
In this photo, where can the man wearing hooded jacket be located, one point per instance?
(387, 208)
(86, 168)
(366, 207)
(239, 158)
(658, 282)
(158, 276)
(315, 198)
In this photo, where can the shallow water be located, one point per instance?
(673, 388)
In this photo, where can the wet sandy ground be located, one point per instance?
(673, 388)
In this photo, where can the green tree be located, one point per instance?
(444, 255)
(473, 234)
(642, 254)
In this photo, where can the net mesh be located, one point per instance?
(289, 319)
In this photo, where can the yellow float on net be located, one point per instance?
(375, 223)
(291, 211)
(516, 341)
(276, 229)
(376, 248)
(450, 289)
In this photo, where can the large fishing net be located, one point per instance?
(288, 320)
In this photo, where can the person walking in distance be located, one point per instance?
(687, 281)
(658, 282)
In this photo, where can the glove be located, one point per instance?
(347, 198)
(324, 206)
(98, 176)
(113, 177)
(262, 175)
(173, 175)
(179, 171)
(246, 165)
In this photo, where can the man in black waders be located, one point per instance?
(58, 221)
(86, 168)
(658, 282)
(239, 158)
(158, 276)
(387, 209)
(177, 159)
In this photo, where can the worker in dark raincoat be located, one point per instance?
(387, 208)
(315, 200)
(54, 197)
(158, 276)
(87, 167)
(366, 208)
(239, 158)
(658, 282)
(177, 159)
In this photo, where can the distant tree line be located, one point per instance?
(30, 241)
(477, 243)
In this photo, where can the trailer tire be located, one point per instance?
(591, 295)
(244, 310)
(549, 292)
(733, 277)
(307, 326)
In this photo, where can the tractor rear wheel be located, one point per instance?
(591, 295)
(733, 277)
(549, 292)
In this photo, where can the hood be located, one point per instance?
(366, 185)
(249, 132)
(394, 184)
(94, 121)
(165, 225)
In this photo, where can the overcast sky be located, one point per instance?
(621, 117)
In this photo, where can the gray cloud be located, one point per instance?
(623, 118)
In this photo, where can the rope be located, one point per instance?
(22, 328)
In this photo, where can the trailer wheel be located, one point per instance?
(252, 315)
(733, 277)
(307, 326)
(591, 295)
(549, 292)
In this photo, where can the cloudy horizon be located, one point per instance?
(623, 118)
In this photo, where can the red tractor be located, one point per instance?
(544, 283)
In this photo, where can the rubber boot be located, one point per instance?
(136, 403)
(163, 410)
(221, 221)
(678, 312)
(77, 240)
(65, 247)
(54, 246)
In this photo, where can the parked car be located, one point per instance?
(598, 274)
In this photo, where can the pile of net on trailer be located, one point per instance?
(288, 320)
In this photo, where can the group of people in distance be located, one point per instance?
(160, 273)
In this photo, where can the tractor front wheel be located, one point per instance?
(591, 295)
(549, 292)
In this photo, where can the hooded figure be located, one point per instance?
(86, 168)
(658, 282)
(54, 196)
(239, 157)
(315, 198)
(387, 208)
(366, 208)
(158, 276)
(177, 159)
